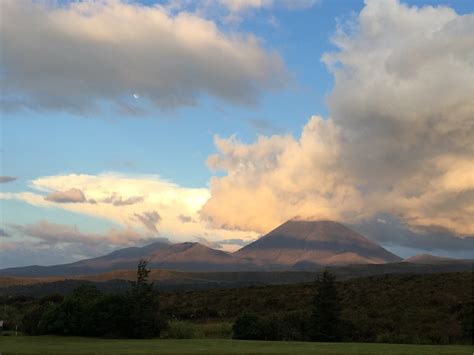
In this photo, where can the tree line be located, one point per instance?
(88, 312)
(435, 309)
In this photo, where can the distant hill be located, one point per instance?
(180, 257)
(428, 259)
(293, 246)
(168, 280)
(305, 243)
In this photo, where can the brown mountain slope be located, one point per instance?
(181, 257)
(428, 259)
(315, 242)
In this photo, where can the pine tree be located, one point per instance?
(325, 309)
(145, 320)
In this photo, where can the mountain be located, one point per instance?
(181, 257)
(294, 245)
(304, 244)
(429, 259)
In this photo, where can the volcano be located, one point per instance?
(293, 245)
(305, 243)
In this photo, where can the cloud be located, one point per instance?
(235, 6)
(4, 233)
(185, 219)
(69, 196)
(399, 140)
(5, 179)
(170, 200)
(47, 243)
(51, 234)
(278, 178)
(75, 56)
(149, 220)
(120, 201)
(394, 233)
(210, 244)
(223, 244)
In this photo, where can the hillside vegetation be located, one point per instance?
(426, 309)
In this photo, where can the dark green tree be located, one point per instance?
(325, 315)
(74, 315)
(247, 326)
(111, 316)
(145, 320)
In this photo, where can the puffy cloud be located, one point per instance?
(392, 232)
(185, 219)
(52, 234)
(159, 197)
(149, 220)
(5, 179)
(75, 55)
(120, 201)
(46, 243)
(223, 244)
(69, 196)
(400, 139)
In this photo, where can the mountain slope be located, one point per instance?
(293, 245)
(428, 259)
(305, 243)
(181, 257)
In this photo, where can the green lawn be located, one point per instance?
(79, 345)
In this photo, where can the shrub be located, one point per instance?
(182, 330)
(216, 330)
(247, 326)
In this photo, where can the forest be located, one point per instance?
(412, 309)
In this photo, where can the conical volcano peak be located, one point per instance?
(322, 230)
(322, 242)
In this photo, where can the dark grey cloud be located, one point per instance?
(47, 233)
(394, 233)
(72, 195)
(219, 244)
(240, 242)
(185, 219)
(166, 60)
(149, 220)
(4, 233)
(5, 179)
(117, 200)
(24, 253)
(208, 243)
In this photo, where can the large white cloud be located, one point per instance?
(162, 209)
(76, 55)
(400, 139)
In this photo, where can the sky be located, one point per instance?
(124, 122)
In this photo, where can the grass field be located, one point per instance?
(78, 345)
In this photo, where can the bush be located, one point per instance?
(247, 326)
(182, 330)
(216, 330)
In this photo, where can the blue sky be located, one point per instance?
(173, 144)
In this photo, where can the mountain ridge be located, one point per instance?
(293, 245)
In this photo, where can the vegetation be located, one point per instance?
(325, 312)
(421, 309)
(88, 312)
(78, 345)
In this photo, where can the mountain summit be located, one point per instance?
(293, 245)
(299, 243)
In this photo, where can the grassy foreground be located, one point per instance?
(79, 345)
